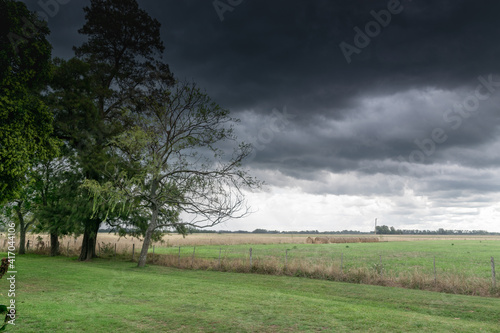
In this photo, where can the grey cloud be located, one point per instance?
(353, 121)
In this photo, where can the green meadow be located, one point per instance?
(466, 258)
(60, 294)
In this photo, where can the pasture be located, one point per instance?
(453, 264)
(60, 294)
(450, 265)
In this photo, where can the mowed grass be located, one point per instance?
(60, 294)
(467, 258)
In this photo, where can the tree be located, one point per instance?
(383, 230)
(19, 212)
(115, 66)
(59, 203)
(25, 121)
(172, 162)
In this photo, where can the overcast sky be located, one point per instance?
(357, 109)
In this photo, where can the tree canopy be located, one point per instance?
(125, 128)
(25, 120)
(172, 162)
(117, 65)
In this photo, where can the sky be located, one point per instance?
(357, 109)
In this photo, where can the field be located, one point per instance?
(459, 264)
(174, 240)
(60, 294)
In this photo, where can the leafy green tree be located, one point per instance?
(60, 204)
(383, 230)
(25, 121)
(19, 211)
(172, 162)
(115, 66)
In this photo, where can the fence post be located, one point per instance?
(192, 259)
(435, 275)
(99, 247)
(250, 258)
(381, 269)
(28, 246)
(115, 249)
(133, 251)
(493, 278)
(220, 249)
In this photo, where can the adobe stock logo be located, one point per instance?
(225, 6)
(277, 123)
(454, 117)
(372, 29)
(50, 8)
(30, 29)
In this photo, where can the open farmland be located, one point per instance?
(174, 240)
(60, 294)
(451, 264)
(459, 264)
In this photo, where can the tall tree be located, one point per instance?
(25, 121)
(78, 124)
(173, 162)
(119, 62)
(59, 202)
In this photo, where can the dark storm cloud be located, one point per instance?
(265, 54)
(270, 53)
(359, 116)
(64, 18)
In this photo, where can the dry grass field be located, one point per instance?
(125, 244)
(453, 264)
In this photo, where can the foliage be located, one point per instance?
(171, 162)
(115, 66)
(4, 266)
(60, 204)
(385, 230)
(25, 121)
(123, 58)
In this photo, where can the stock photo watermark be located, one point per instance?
(11, 257)
(453, 116)
(372, 29)
(278, 122)
(223, 6)
(29, 30)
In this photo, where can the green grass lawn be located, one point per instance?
(61, 294)
(464, 257)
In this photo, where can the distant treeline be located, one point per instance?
(256, 231)
(381, 230)
(264, 231)
(385, 230)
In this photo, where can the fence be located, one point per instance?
(423, 271)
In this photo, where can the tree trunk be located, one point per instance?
(22, 232)
(89, 240)
(54, 244)
(22, 228)
(151, 228)
(145, 245)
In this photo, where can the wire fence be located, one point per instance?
(470, 275)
